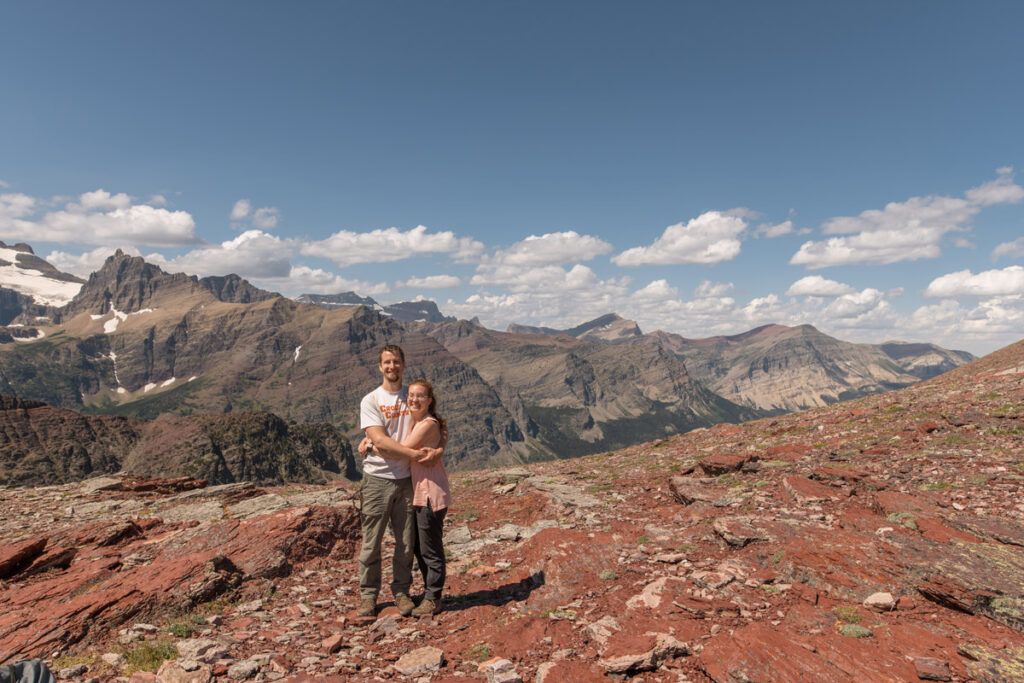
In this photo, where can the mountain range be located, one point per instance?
(135, 341)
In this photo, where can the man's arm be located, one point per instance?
(385, 446)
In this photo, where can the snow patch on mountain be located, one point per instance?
(44, 290)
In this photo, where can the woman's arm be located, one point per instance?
(424, 431)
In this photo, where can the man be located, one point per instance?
(386, 490)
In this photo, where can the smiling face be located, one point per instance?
(391, 367)
(419, 401)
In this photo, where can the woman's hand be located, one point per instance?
(430, 456)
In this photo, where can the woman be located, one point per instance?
(431, 493)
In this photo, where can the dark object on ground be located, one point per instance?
(28, 671)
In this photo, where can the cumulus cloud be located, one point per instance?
(777, 230)
(96, 217)
(855, 303)
(158, 200)
(15, 206)
(904, 231)
(815, 285)
(1014, 249)
(710, 238)
(1007, 281)
(101, 200)
(993, 322)
(707, 289)
(430, 282)
(306, 280)
(1002, 190)
(657, 291)
(550, 249)
(346, 248)
(265, 218)
(241, 209)
(253, 254)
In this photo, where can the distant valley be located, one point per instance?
(137, 342)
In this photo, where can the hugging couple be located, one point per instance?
(404, 483)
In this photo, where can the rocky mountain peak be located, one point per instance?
(129, 284)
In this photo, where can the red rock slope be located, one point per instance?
(876, 540)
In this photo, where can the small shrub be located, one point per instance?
(848, 613)
(148, 656)
(479, 652)
(856, 631)
(556, 614)
(607, 575)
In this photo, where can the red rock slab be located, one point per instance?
(723, 463)
(578, 672)
(98, 595)
(850, 475)
(570, 560)
(791, 451)
(759, 652)
(161, 486)
(805, 491)
(20, 555)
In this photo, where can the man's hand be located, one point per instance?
(430, 456)
(364, 446)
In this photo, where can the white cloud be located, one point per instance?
(158, 200)
(904, 231)
(305, 280)
(241, 209)
(265, 218)
(431, 282)
(815, 285)
(992, 323)
(346, 248)
(138, 224)
(710, 238)
(1014, 249)
(855, 304)
(4, 184)
(14, 206)
(1008, 281)
(96, 218)
(253, 254)
(1002, 190)
(658, 291)
(707, 289)
(551, 249)
(101, 200)
(777, 230)
(879, 247)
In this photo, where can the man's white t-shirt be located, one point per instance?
(387, 409)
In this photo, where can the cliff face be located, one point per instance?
(782, 369)
(41, 445)
(572, 396)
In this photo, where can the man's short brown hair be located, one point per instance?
(394, 349)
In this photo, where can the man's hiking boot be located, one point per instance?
(426, 607)
(367, 608)
(404, 604)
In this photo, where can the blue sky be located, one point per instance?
(701, 168)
